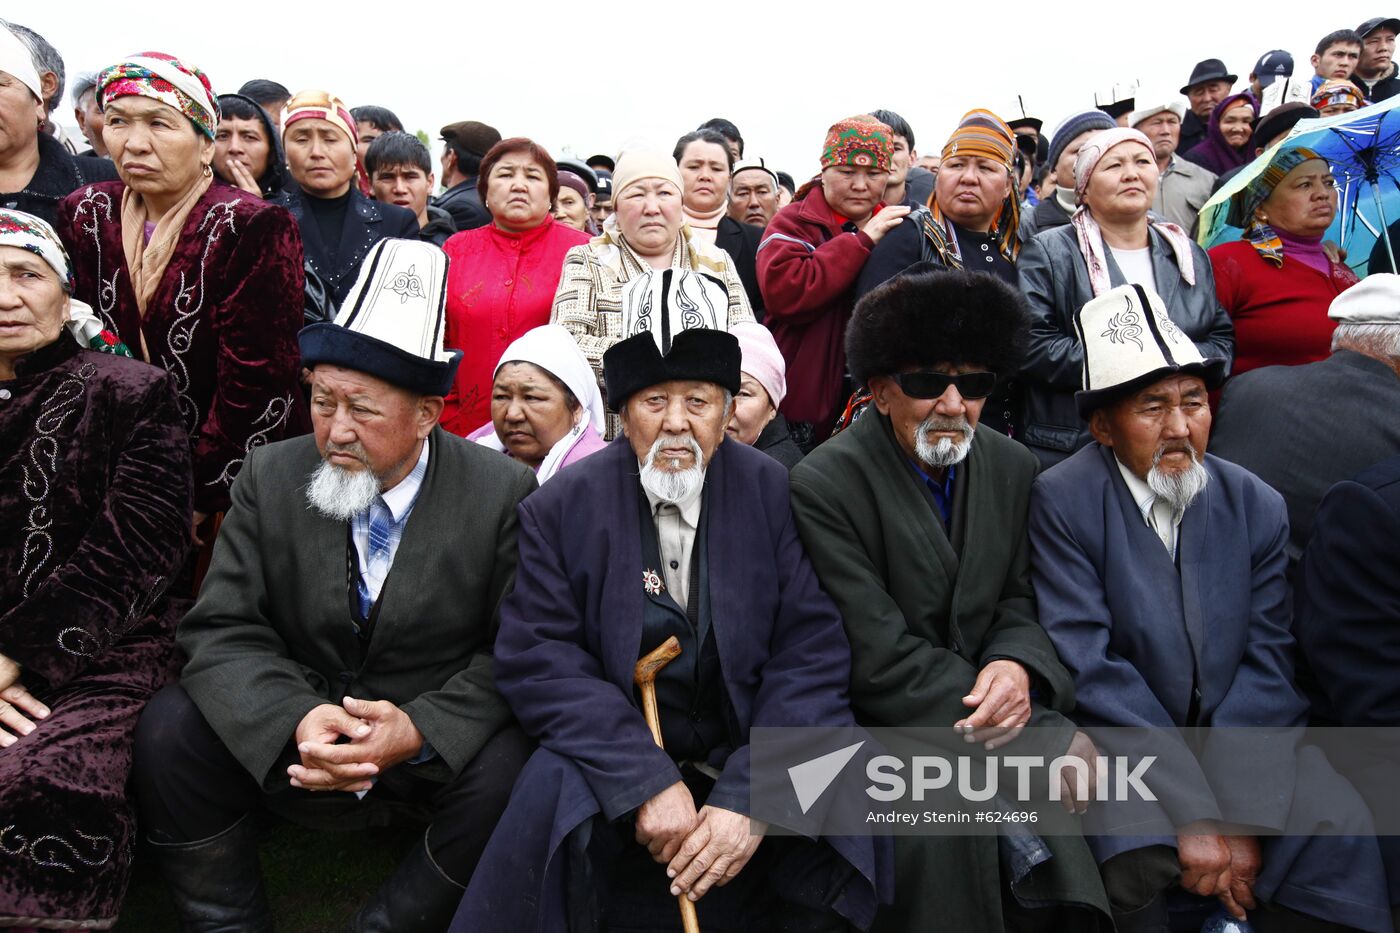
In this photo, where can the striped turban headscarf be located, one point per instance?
(982, 134)
(1331, 93)
(319, 105)
(1244, 203)
(862, 142)
(166, 79)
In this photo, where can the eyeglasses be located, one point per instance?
(925, 384)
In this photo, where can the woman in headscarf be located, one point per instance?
(1278, 281)
(973, 217)
(196, 277)
(94, 523)
(762, 385)
(338, 223)
(573, 205)
(1334, 97)
(1228, 135)
(546, 410)
(247, 148)
(614, 285)
(36, 172)
(1110, 241)
(501, 277)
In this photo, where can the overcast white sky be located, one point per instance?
(582, 79)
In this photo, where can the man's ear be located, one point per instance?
(880, 389)
(1098, 427)
(429, 413)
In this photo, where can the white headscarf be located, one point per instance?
(554, 350)
(17, 61)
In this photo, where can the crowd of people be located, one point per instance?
(505, 495)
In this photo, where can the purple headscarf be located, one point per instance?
(1213, 152)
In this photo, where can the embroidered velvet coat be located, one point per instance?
(223, 321)
(94, 521)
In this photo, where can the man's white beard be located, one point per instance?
(1181, 487)
(944, 452)
(341, 494)
(673, 486)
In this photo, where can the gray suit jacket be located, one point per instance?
(1303, 428)
(271, 636)
(1182, 191)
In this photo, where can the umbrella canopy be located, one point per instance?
(1363, 149)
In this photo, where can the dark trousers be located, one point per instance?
(190, 788)
(1138, 881)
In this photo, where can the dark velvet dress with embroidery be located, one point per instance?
(94, 521)
(223, 320)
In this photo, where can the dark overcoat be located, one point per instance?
(1202, 641)
(271, 637)
(366, 223)
(925, 611)
(570, 637)
(1261, 410)
(94, 520)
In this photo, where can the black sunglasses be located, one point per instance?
(924, 384)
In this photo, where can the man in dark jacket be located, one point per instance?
(401, 172)
(1209, 84)
(465, 145)
(1376, 72)
(915, 519)
(673, 532)
(1160, 575)
(1261, 412)
(339, 664)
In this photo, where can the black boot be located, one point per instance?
(216, 883)
(418, 896)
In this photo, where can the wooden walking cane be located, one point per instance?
(644, 675)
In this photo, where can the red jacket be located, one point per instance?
(1280, 314)
(807, 269)
(499, 285)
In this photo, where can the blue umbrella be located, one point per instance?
(1363, 150)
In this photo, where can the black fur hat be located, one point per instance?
(930, 314)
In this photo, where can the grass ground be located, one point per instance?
(315, 880)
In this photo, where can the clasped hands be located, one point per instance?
(700, 849)
(377, 735)
(1001, 702)
(1226, 867)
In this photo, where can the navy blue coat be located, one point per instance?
(1131, 627)
(569, 640)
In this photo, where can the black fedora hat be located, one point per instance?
(1212, 69)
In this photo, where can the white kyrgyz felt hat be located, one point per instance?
(1129, 343)
(391, 324)
(1373, 300)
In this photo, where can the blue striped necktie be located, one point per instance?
(381, 526)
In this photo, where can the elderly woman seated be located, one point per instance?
(762, 385)
(546, 410)
(94, 522)
(1111, 240)
(645, 237)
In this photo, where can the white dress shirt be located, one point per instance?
(1157, 512)
(399, 501)
(676, 525)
